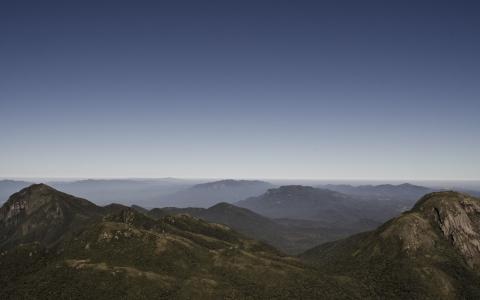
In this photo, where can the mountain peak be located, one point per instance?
(40, 212)
(457, 216)
(442, 198)
(27, 200)
(38, 187)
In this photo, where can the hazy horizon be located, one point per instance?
(280, 181)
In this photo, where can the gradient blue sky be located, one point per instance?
(240, 89)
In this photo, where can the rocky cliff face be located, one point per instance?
(458, 218)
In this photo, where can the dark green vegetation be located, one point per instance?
(56, 246)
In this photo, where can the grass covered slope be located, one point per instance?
(429, 252)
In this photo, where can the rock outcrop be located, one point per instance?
(457, 215)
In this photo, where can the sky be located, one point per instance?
(240, 89)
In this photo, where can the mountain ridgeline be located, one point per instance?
(321, 205)
(54, 245)
(402, 197)
(210, 193)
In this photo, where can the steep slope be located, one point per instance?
(429, 252)
(210, 193)
(42, 214)
(129, 255)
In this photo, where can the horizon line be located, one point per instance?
(226, 178)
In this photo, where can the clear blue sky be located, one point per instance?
(240, 89)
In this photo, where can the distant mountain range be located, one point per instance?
(382, 191)
(125, 191)
(54, 245)
(151, 192)
(105, 191)
(211, 193)
(8, 187)
(321, 205)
